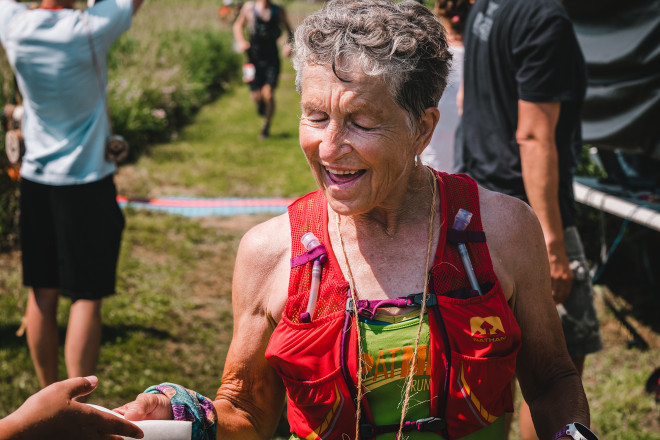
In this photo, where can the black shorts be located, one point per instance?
(70, 237)
(265, 72)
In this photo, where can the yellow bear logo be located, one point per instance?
(488, 326)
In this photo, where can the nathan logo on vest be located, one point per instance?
(488, 329)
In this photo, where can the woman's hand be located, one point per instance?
(147, 407)
(54, 414)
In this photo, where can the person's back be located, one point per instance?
(66, 124)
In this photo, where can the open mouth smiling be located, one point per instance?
(340, 177)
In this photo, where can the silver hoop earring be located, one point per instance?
(416, 160)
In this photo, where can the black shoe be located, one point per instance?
(265, 132)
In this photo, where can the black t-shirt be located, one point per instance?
(264, 35)
(519, 49)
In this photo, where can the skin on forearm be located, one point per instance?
(540, 165)
(548, 379)
(17, 426)
(541, 179)
(540, 171)
(250, 400)
(239, 418)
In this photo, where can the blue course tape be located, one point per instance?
(203, 207)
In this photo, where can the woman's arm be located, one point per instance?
(250, 400)
(537, 122)
(549, 382)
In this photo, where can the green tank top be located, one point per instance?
(387, 346)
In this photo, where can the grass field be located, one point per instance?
(171, 318)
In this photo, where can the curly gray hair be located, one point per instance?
(402, 43)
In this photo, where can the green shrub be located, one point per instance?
(151, 108)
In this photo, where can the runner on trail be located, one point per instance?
(264, 21)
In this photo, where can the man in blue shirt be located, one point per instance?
(70, 223)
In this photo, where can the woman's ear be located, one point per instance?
(426, 127)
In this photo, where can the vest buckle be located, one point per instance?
(367, 430)
(417, 298)
(434, 424)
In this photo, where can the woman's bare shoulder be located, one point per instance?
(506, 217)
(515, 239)
(267, 240)
(261, 272)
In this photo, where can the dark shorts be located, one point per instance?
(70, 237)
(266, 72)
(578, 315)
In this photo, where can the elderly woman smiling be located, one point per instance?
(392, 317)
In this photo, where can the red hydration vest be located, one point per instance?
(475, 338)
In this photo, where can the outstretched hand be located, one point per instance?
(147, 407)
(54, 414)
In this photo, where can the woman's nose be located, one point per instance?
(334, 142)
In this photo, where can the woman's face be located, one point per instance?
(357, 140)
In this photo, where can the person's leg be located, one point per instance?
(83, 338)
(92, 225)
(256, 84)
(269, 99)
(527, 431)
(508, 417)
(41, 330)
(258, 100)
(39, 258)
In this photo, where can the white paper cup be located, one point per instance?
(158, 429)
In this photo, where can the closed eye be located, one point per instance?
(362, 127)
(316, 116)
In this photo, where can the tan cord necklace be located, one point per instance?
(422, 311)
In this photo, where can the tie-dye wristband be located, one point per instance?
(190, 406)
